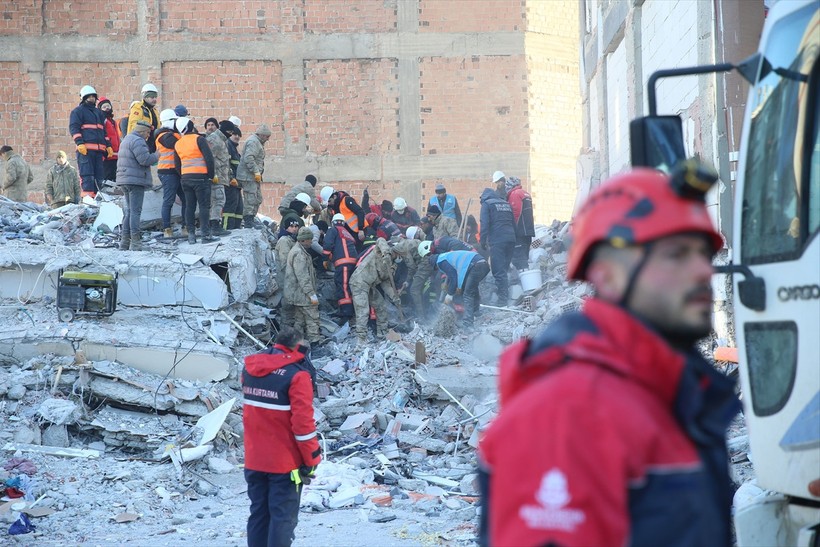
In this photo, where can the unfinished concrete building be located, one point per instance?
(394, 95)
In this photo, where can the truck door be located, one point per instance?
(776, 235)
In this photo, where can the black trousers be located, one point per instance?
(342, 277)
(274, 508)
(232, 211)
(197, 191)
(521, 253)
(472, 298)
(500, 257)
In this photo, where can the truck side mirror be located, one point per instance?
(657, 142)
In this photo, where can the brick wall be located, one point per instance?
(115, 19)
(338, 16)
(473, 104)
(471, 15)
(202, 19)
(12, 124)
(21, 18)
(251, 90)
(117, 81)
(351, 106)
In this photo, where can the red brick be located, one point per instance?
(206, 19)
(340, 16)
(115, 19)
(21, 18)
(471, 15)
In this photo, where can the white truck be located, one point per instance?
(776, 267)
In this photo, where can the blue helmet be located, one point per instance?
(181, 110)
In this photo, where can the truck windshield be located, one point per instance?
(781, 199)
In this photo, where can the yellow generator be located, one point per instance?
(86, 292)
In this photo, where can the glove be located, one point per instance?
(110, 152)
(326, 265)
(307, 474)
(82, 149)
(403, 287)
(257, 177)
(215, 180)
(361, 235)
(234, 183)
(67, 199)
(448, 299)
(314, 300)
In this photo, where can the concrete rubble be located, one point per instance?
(149, 399)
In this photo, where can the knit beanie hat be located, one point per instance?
(511, 183)
(433, 210)
(304, 234)
(209, 120)
(292, 222)
(311, 179)
(227, 127)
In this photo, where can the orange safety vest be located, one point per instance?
(166, 155)
(193, 162)
(351, 218)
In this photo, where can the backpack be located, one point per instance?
(122, 127)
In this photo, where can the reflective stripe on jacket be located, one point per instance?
(165, 141)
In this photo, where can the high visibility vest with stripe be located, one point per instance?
(351, 218)
(193, 162)
(166, 155)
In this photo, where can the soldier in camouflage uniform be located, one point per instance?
(286, 241)
(300, 286)
(442, 225)
(218, 142)
(249, 173)
(373, 272)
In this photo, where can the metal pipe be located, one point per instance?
(243, 331)
(670, 72)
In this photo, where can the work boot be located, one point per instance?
(217, 229)
(168, 232)
(136, 242)
(125, 242)
(192, 239)
(248, 220)
(208, 237)
(183, 231)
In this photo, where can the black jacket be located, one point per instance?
(497, 221)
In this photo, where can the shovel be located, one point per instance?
(404, 325)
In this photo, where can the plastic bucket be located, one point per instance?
(530, 280)
(516, 291)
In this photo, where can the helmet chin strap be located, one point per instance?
(633, 276)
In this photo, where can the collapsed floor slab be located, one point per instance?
(195, 275)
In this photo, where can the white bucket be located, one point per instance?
(516, 291)
(530, 280)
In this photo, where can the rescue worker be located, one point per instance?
(372, 277)
(422, 277)
(164, 141)
(442, 225)
(447, 204)
(298, 209)
(521, 203)
(300, 286)
(383, 227)
(62, 183)
(631, 420)
(249, 173)
(281, 446)
(341, 202)
(287, 239)
(408, 251)
(86, 125)
(218, 141)
(464, 271)
(195, 165)
(181, 111)
(307, 186)
(133, 177)
(498, 234)
(403, 215)
(500, 179)
(446, 244)
(340, 247)
(113, 134)
(146, 111)
(232, 212)
(211, 125)
(18, 175)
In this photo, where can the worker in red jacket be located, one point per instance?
(611, 428)
(281, 448)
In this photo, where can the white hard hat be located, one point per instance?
(424, 248)
(167, 115)
(86, 91)
(337, 217)
(411, 232)
(148, 88)
(234, 120)
(400, 205)
(182, 125)
(303, 197)
(325, 192)
(498, 175)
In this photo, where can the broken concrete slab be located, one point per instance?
(479, 382)
(486, 348)
(52, 451)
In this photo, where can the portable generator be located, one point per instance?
(86, 292)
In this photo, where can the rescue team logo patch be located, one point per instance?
(552, 514)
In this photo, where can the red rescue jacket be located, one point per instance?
(607, 436)
(280, 433)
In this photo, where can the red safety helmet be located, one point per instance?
(640, 206)
(371, 218)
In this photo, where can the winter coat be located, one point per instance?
(630, 447)
(235, 157)
(62, 182)
(444, 226)
(340, 246)
(446, 244)
(113, 137)
(521, 203)
(302, 187)
(283, 246)
(375, 269)
(277, 413)
(135, 161)
(87, 126)
(497, 222)
(217, 141)
(18, 177)
(300, 276)
(406, 219)
(252, 160)
(456, 265)
(141, 112)
(409, 251)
